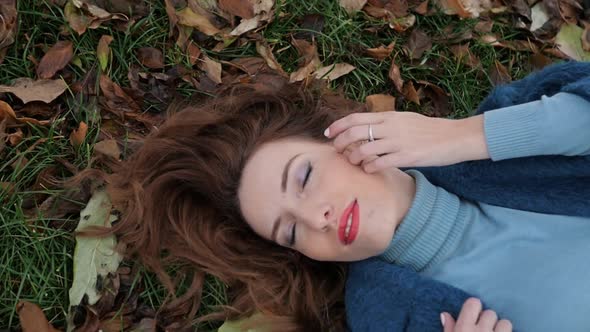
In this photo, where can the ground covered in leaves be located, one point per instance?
(83, 80)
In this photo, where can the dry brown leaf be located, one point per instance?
(465, 8)
(116, 98)
(15, 137)
(151, 57)
(189, 18)
(194, 52)
(7, 113)
(262, 13)
(403, 23)
(438, 97)
(58, 56)
(539, 61)
(586, 37)
(463, 54)
(103, 51)
(212, 68)
(382, 52)
(76, 19)
(334, 71)
(418, 43)
(422, 8)
(396, 76)
(32, 318)
(309, 60)
(7, 25)
(484, 26)
(78, 135)
(410, 93)
(352, 6)
(266, 53)
(28, 90)
(109, 148)
(380, 103)
(241, 8)
(499, 74)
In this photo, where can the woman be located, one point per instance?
(248, 189)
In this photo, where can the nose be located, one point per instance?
(320, 218)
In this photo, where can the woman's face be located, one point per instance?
(305, 195)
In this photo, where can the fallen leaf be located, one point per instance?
(440, 104)
(28, 90)
(569, 41)
(32, 318)
(103, 51)
(77, 136)
(334, 71)
(241, 8)
(93, 257)
(262, 13)
(352, 6)
(499, 74)
(194, 52)
(539, 61)
(586, 37)
(395, 76)
(418, 43)
(15, 137)
(58, 56)
(382, 52)
(456, 7)
(403, 23)
(410, 93)
(539, 16)
(311, 26)
(309, 60)
(521, 8)
(189, 18)
(422, 8)
(109, 148)
(463, 54)
(151, 57)
(76, 19)
(380, 103)
(484, 26)
(8, 16)
(266, 53)
(212, 68)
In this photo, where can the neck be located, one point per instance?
(403, 188)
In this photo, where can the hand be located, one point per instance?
(471, 319)
(408, 139)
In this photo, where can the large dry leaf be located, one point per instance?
(151, 57)
(32, 318)
(409, 91)
(395, 76)
(586, 37)
(380, 103)
(418, 43)
(569, 41)
(189, 18)
(58, 56)
(381, 52)
(29, 90)
(93, 257)
(309, 61)
(7, 25)
(212, 68)
(108, 148)
(77, 136)
(116, 98)
(262, 13)
(463, 54)
(439, 99)
(266, 53)
(465, 8)
(352, 6)
(334, 71)
(241, 8)
(499, 74)
(103, 51)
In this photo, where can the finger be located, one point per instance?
(448, 323)
(469, 313)
(487, 320)
(503, 326)
(392, 159)
(354, 119)
(350, 136)
(369, 149)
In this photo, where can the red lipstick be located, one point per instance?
(351, 210)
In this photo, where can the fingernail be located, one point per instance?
(327, 132)
(442, 319)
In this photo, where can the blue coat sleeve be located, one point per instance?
(384, 297)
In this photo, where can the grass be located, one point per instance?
(36, 262)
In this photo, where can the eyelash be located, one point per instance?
(305, 180)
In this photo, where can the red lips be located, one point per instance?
(353, 208)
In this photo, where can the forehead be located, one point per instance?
(260, 186)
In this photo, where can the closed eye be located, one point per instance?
(307, 174)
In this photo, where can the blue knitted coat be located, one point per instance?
(385, 297)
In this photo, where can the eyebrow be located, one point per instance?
(277, 222)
